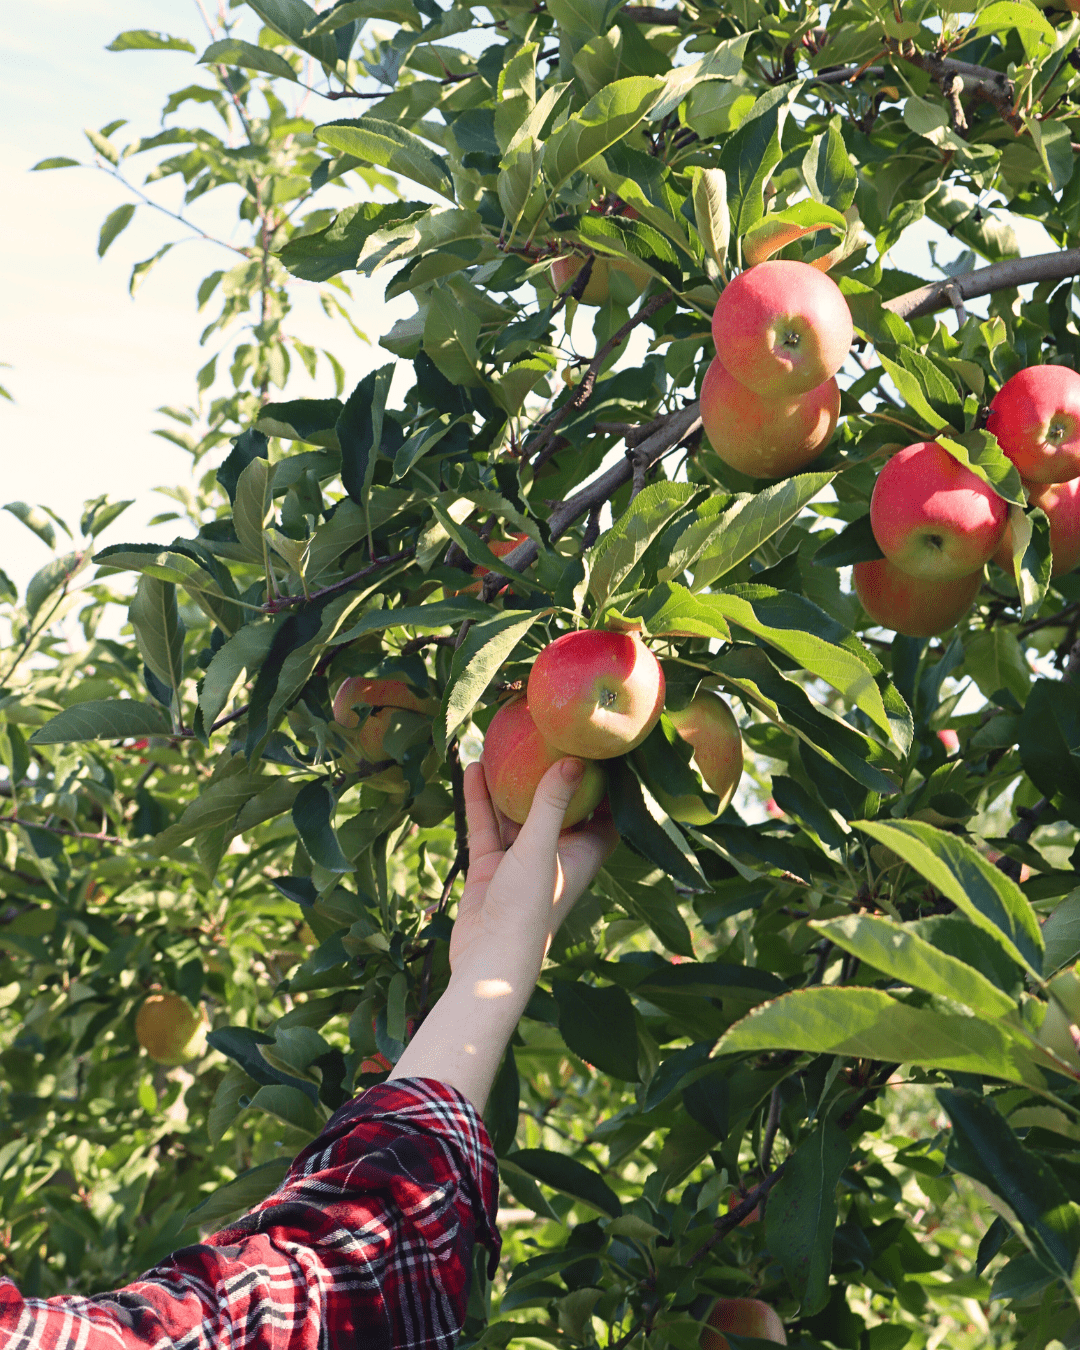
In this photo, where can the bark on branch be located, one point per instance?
(985, 280)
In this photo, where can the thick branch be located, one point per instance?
(997, 277)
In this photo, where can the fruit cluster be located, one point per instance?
(938, 524)
(597, 695)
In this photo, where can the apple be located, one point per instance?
(911, 605)
(386, 697)
(170, 1030)
(742, 1317)
(1061, 502)
(766, 437)
(782, 328)
(596, 693)
(934, 518)
(950, 740)
(598, 287)
(501, 547)
(1036, 418)
(707, 724)
(516, 757)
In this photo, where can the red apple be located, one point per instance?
(516, 757)
(950, 740)
(385, 697)
(742, 1317)
(934, 518)
(1036, 418)
(598, 287)
(1061, 502)
(782, 328)
(709, 725)
(766, 437)
(500, 548)
(595, 693)
(912, 605)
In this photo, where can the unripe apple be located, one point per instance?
(1061, 502)
(742, 1317)
(782, 328)
(170, 1030)
(1036, 418)
(934, 518)
(766, 437)
(516, 757)
(596, 693)
(501, 547)
(912, 605)
(598, 287)
(709, 726)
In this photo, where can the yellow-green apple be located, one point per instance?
(932, 517)
(766, 437)
(782, 328)
(516, 757)
(501, 547)
(596, 693)
(1036, 418)
(741, 1317)
(911, 605)
(598, 287)
(1061, 502)
(170, 1030)
(709, 726)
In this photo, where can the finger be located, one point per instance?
(582, 854)
(539, 836)
(480, 815)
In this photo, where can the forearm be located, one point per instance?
(462, 1040)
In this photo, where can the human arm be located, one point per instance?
(520, 886)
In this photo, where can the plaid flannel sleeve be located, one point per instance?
(367, 1243)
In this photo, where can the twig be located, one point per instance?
(57, 829)
(741, 1211)
(951, 290)
(992, 85)
(771, 1127)
(281, 602)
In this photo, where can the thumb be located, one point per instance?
(539, 835)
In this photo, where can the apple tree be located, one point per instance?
(819, 1049)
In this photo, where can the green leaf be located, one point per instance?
(871, 1024)
(995, 661)
(253, 508)
(100, 512)
(159, 630)
(655, 904)
(724, 62)
(750, 521)
(750, 156)
(990, 899)
(1061, 933)
(35, 520)
(216, 805)
(241, 1194)
(598, 1025)
(902, 955)
(142, 269)
(1032, 558)
(711, 215)
(801, 1215)
(609, 116)
(297, 21)
(313, 814)
(359, 432)
(911, 392)
(1025, 19)
(451, 334)
(778, 228)
(144, 40)
(390, 147)
(114, 222)
(289, 1105)
(476, 662)
(55, 575)
(56, 162)
(1050, 737)
(568, 1176)
(109, 719)
(178, 568)
(235, 52)
(828, 170)
(239, 659)
(979, 451)
(1030, 1196)
(653, 836)
(616, 552)
(855, 543)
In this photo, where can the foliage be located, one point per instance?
(721, 1015)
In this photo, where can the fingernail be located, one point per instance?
(573, 771)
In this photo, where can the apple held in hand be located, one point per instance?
(742, 1317)
(516, 757)
(1036, 418)
(911, 605)
(708, 725)
(595, 693)
(934, 518)
(766, 437)
(1061, 502)
(598, 287)
(782, 328)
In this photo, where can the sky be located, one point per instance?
(90, 364)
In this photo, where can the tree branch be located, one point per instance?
(985, 280)
(281, 602)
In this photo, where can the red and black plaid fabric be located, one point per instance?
(367, 1243)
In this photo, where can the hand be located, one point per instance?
(524, 880)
